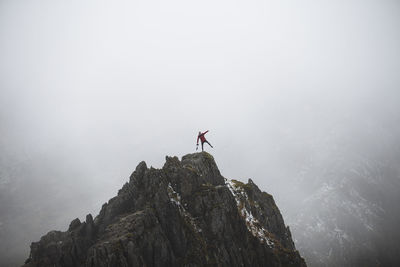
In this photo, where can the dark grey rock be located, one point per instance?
(184, 214)
(74, 224)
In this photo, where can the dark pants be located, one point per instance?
(202, 144)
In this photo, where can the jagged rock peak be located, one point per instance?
(184, 214)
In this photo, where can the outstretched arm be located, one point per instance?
(205, 132)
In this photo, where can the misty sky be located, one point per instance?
(88, 89)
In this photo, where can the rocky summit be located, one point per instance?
(185, 214)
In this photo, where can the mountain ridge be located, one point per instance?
(184, 214)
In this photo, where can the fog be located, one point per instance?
(88, 89)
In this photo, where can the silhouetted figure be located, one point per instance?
(203, 140)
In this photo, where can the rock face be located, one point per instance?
(185, 214)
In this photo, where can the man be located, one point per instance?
(203, 140)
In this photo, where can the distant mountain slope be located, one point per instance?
(350, 214)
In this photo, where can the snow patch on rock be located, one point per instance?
(176, 199)
(253, 225)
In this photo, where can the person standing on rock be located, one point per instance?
(203, 140)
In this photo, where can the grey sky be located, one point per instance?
(91, 88)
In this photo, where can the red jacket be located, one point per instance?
(201, 137)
